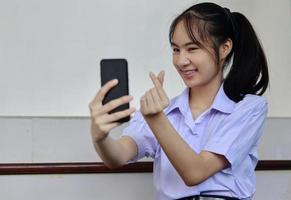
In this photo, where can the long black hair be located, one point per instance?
(206, 22)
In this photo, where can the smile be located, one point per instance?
(188, 73)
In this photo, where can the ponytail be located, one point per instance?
(249, 71)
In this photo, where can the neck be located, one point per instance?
(201, 98)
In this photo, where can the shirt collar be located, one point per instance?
(221, 102)
(180, 102)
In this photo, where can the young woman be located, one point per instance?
(204, 141)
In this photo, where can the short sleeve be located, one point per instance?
(238, 134)
(140, 132)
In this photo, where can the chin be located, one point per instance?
(191, 83)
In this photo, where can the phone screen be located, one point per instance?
(115, 69)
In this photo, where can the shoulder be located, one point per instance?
(251, 103)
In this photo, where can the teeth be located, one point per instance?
(188, 71)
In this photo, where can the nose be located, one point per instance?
(182, 59)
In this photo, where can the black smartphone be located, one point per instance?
(115, 69)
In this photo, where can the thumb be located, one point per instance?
(161, 77)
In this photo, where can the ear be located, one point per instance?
(224, 49)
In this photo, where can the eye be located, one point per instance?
(175, 50)
(192, 49)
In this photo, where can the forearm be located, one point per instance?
(111, 152)
(186, 161)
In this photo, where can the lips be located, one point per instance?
(188, 73)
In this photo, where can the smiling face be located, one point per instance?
(197, 65)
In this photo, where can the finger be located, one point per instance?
(108, 127)
(155, 80)
(97, 111)
(150, 102)
(99, 124)
(106, 119)
(103, 91)
(157, 100)
(104, 109)
(161, 77)
(158, 86)
(155, 96)
(113, 117)
(143, 105)
(112, 125)
(115, 103)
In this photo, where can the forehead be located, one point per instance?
(180, 34)
(191, 31)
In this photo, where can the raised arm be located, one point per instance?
(114, 152)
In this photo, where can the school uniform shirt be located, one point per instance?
(226, 128)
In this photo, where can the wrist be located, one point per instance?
(153, 117)
(100, 139)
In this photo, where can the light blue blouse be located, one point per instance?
(227, 128)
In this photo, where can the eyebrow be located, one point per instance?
(184, 45)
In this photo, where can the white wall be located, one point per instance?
(50, 50)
